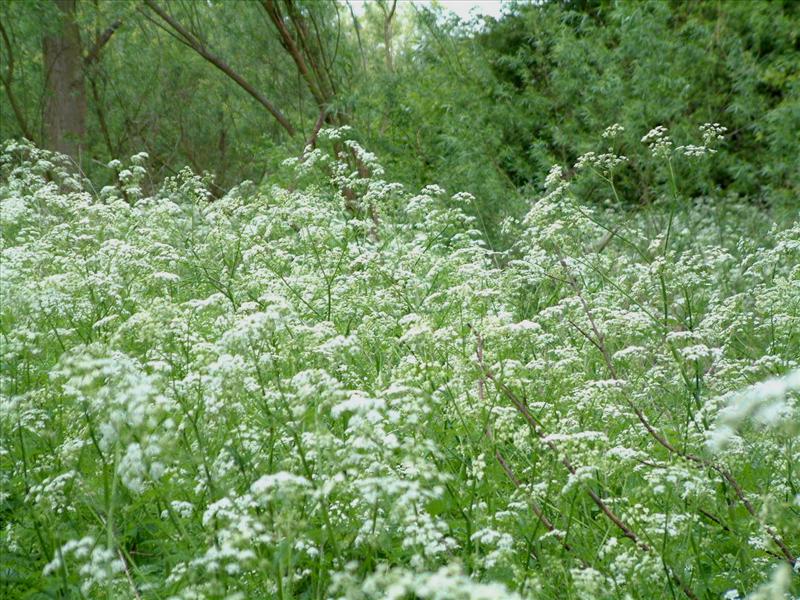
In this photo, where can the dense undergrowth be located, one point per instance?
(337, 390)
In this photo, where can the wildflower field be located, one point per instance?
(335, 388)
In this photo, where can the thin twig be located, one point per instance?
(538, 430)
(497, 454)
(128, 574)
(599, 342)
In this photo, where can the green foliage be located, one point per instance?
(485, 107)
(533, 88)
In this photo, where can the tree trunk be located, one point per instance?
(65, 109)
(387, 34)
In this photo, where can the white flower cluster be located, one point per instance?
(769, 403)
(280, 394)
(446, 583)
(613, 131)
(695, 151)
(712, 132)
(658, 141)
(604, 163)
(98, 565)
(660, 144)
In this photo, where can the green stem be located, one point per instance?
(674, 204)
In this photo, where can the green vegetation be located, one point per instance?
(486, 112)
(387, 305)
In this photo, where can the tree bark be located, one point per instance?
(387, 34)
(65, 108)
(287, 41)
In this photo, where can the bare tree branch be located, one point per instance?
(287, 41)
(357, 27)
(93, 54)
(387, 34)
(88, 61)
(7, 80)
(198, 46)
(312, 141)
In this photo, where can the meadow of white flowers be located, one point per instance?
(336, 389)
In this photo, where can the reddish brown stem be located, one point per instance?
(599, 342)
(538, 430)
